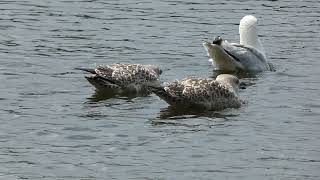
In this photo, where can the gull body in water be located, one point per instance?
(210, 94)
(122, 78)
(249, 55)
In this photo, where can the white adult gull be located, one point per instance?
(120, 78)
(210, 94)
(249, 55)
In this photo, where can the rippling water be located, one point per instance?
(54, 125)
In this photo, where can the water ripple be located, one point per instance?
(54, 125)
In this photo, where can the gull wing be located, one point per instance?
(194, 91)
(246, 55)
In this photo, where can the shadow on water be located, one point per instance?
(239, 74)
(172, 112)
(101, 95)
(243, 74)
(246, 78)
(174, 116)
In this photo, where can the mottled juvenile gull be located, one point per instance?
(206, 93)
(124, 77)
(249, 55)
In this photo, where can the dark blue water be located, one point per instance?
(55, 126)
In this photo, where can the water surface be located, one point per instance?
(55, 126)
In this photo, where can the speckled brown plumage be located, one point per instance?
(208, 93)
(125, 77)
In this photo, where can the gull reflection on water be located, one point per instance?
(172, 112)
(194, 119)
(101, 95)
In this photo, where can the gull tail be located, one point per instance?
(102, 83)
(99, 82)
(92, 71)
(163, 94)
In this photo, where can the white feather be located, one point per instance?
(249, 55)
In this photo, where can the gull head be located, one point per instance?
(155, 69)
(248, 22)
(248, 30)
(230, 81)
